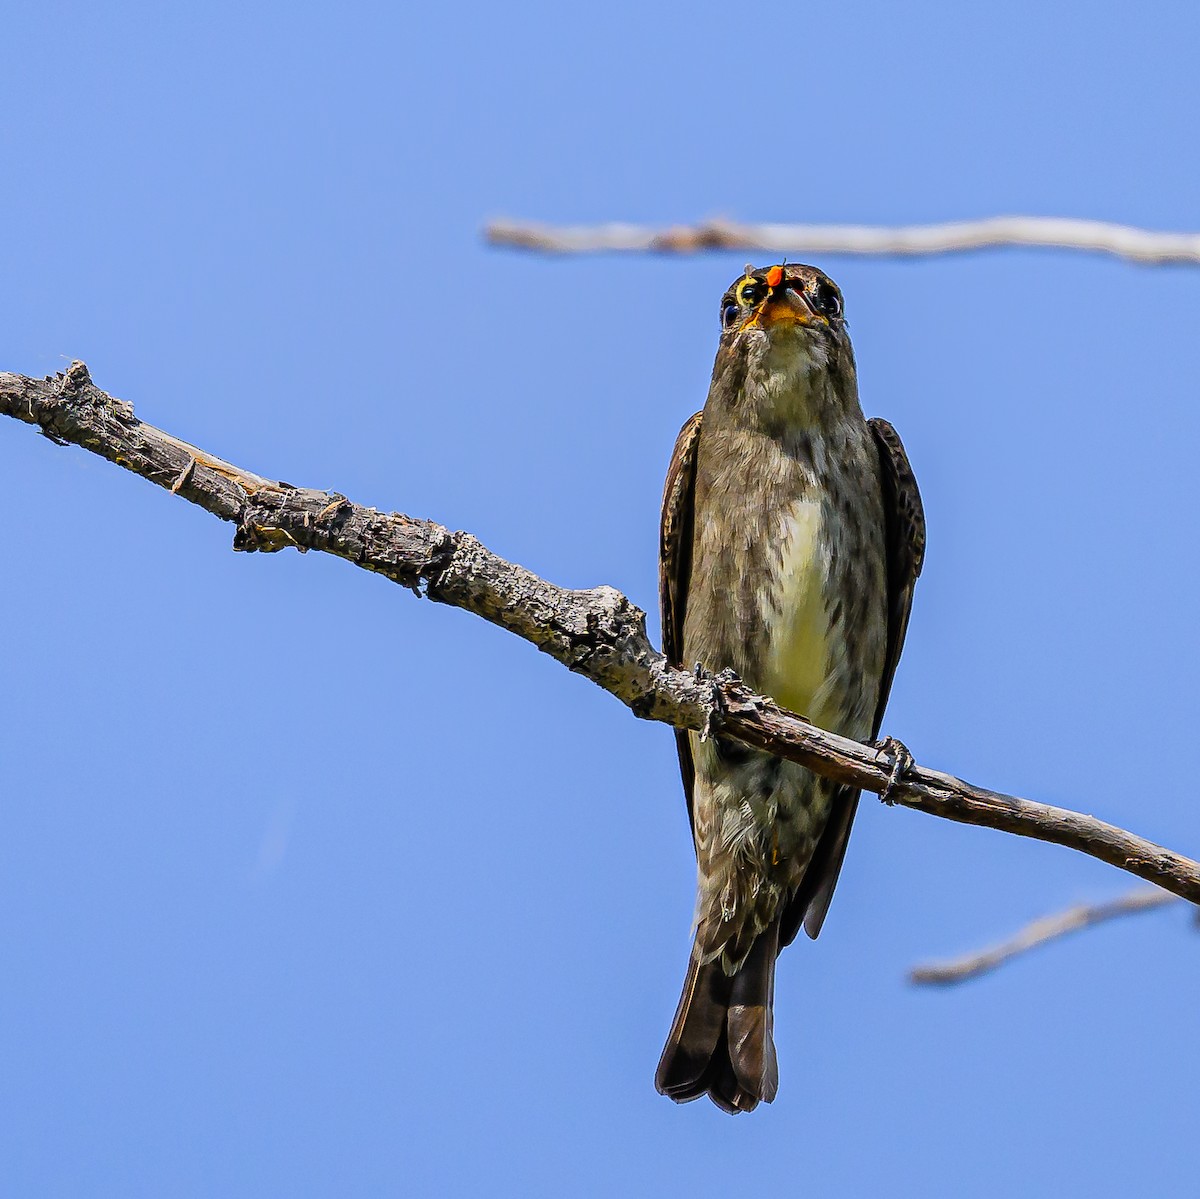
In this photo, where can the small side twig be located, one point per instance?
(184, 475)
(1039, 932)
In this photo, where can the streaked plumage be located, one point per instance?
(792, 536)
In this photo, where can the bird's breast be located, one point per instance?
(797, 616)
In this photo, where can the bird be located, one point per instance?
(792, 535)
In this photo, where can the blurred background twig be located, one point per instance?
(951, 237)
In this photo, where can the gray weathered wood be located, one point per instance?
(596, 632)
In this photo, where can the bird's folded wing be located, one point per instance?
(675, 566)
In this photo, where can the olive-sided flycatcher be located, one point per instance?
(792, 536)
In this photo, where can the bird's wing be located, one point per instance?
(675, 567)
(904, 519)
(904, 547)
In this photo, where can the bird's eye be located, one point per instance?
(751, 292)
(827, 299)
(729, 315)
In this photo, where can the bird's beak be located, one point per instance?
(783, 305)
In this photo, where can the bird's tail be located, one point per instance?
(721, 1042)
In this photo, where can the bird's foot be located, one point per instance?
(901, 763)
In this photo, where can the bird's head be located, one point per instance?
(784, 342)
(790, 299)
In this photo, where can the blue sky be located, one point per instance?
(309, 888)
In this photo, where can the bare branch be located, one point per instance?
(1039, 932)
(954, 237)
(597, 633)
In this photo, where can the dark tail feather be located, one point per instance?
(751, 1022)
(698, 1031)
(721, 1042)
